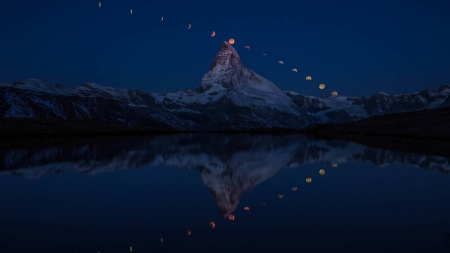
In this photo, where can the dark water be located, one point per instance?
(110, 194)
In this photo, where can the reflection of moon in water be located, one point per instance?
(131, 11)
(231, 41)
(322, 86)
(213, 34)
(99, 4)
(189, 26)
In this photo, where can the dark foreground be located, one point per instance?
(426, 131)
(429, 123)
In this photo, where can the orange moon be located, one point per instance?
(189, 26)
(213, 34)
(231, 41)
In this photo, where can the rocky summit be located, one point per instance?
(230, 97)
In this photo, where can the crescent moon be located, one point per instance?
(189, 26)
(213, 34)
(131, 11)
(162, 18)
(99, 4)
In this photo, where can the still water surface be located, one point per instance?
(148, 193)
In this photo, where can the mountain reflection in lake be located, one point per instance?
(375, 200)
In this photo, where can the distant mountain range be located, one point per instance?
(229, 165)
(230, 97)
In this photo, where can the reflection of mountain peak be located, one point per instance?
(229, 165)
(228, 186)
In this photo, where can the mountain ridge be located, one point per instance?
(230, 97)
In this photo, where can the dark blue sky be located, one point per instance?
(355, 47)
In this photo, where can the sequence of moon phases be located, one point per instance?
(231, 41)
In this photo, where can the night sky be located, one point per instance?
(355, 47)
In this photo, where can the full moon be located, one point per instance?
(231, 41)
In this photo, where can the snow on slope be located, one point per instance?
(245, 87)
(225, 89)
(36, 85)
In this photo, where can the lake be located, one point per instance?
(220, 193)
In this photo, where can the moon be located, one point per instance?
(231, 41)
(99, 4)
(247, 47)
(131, 11)
(189, 26)
(162, 18)
(213, 34)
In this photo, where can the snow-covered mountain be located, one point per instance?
(229, 165)
(338, 109)
(230, 96)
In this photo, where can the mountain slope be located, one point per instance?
(338, 109)
(230, 97)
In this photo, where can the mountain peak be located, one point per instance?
(228, 73)
(227, 56)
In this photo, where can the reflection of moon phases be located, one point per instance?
(162, 18)
(231, 41)
(213, 34)
(131, 11)
(248, 47)
(322, 86)
(99, 4)
(189, 26)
